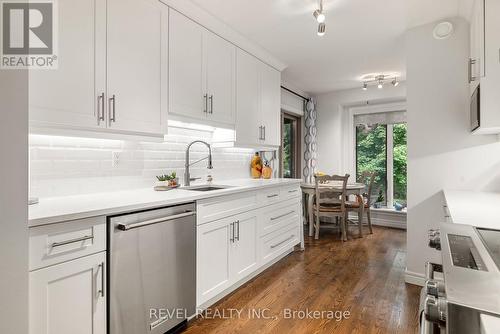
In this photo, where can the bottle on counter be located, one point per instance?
(256, 166)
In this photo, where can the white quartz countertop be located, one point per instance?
(480, 209)
(57, 209)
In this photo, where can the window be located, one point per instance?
(371, 155)
(400, 156)
(381, 146)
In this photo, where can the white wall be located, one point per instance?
(441, 151)
(13, 202)
(333, 117)
(67, 166)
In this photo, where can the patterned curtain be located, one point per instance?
(311, 146)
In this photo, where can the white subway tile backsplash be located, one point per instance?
(67, 166)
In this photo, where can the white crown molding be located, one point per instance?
(212, 23)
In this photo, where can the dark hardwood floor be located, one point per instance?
(362, 276)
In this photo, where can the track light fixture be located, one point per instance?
(380, 80)
(319, 15)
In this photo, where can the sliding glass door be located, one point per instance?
(290, 146)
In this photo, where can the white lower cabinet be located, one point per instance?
(243, 255)
(212, 258)
(234, 247)
(69, 297)
(226, 252)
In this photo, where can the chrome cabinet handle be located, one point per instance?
(283, 215)
(101, 269)
(126, 227)
(264, 128)
(67, 242)
(112, 107)
(211, 104)
(292, 191)
(260, 132)
(273, 195)
(238, 229)
(205, 98)
(100, 108)
(471, 76)
(282, 242)
(231, 233)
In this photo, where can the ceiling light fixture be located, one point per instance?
(319, 15)
(321, 29)
(379, 80)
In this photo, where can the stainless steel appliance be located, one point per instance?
(152, 274)
(466, 285)
(475, 109)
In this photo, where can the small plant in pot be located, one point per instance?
(170, 180)
(380, 200)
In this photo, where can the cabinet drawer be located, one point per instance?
(275, 244)
(279, 215)
(220, 207)
(269, 196)
(56, 243)
(290, 192)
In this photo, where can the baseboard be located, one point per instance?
(414, 278)
(394, 224)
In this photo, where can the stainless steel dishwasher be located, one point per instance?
(152, 274)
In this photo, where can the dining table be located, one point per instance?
(309, 189)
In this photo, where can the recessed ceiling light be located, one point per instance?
(321, 29)
(380, 84)
(365, 86)
(395, 82)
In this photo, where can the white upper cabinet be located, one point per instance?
(484, 65)
(258, 102)
(271, 105)
(201, 77)
(136, 45)
(248, 125)
(186, 85)
(68, 95)
(112, 73)
(220, 68)
(476, 59)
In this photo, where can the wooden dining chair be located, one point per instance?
(330, 202)
(368, 179)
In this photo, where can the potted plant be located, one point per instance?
(168, 180)
(380, 200)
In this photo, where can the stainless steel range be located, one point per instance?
(466, 285)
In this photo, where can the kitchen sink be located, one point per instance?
(206, 188)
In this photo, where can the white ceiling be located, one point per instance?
(362, 36)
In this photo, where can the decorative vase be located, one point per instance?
(267, 171)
